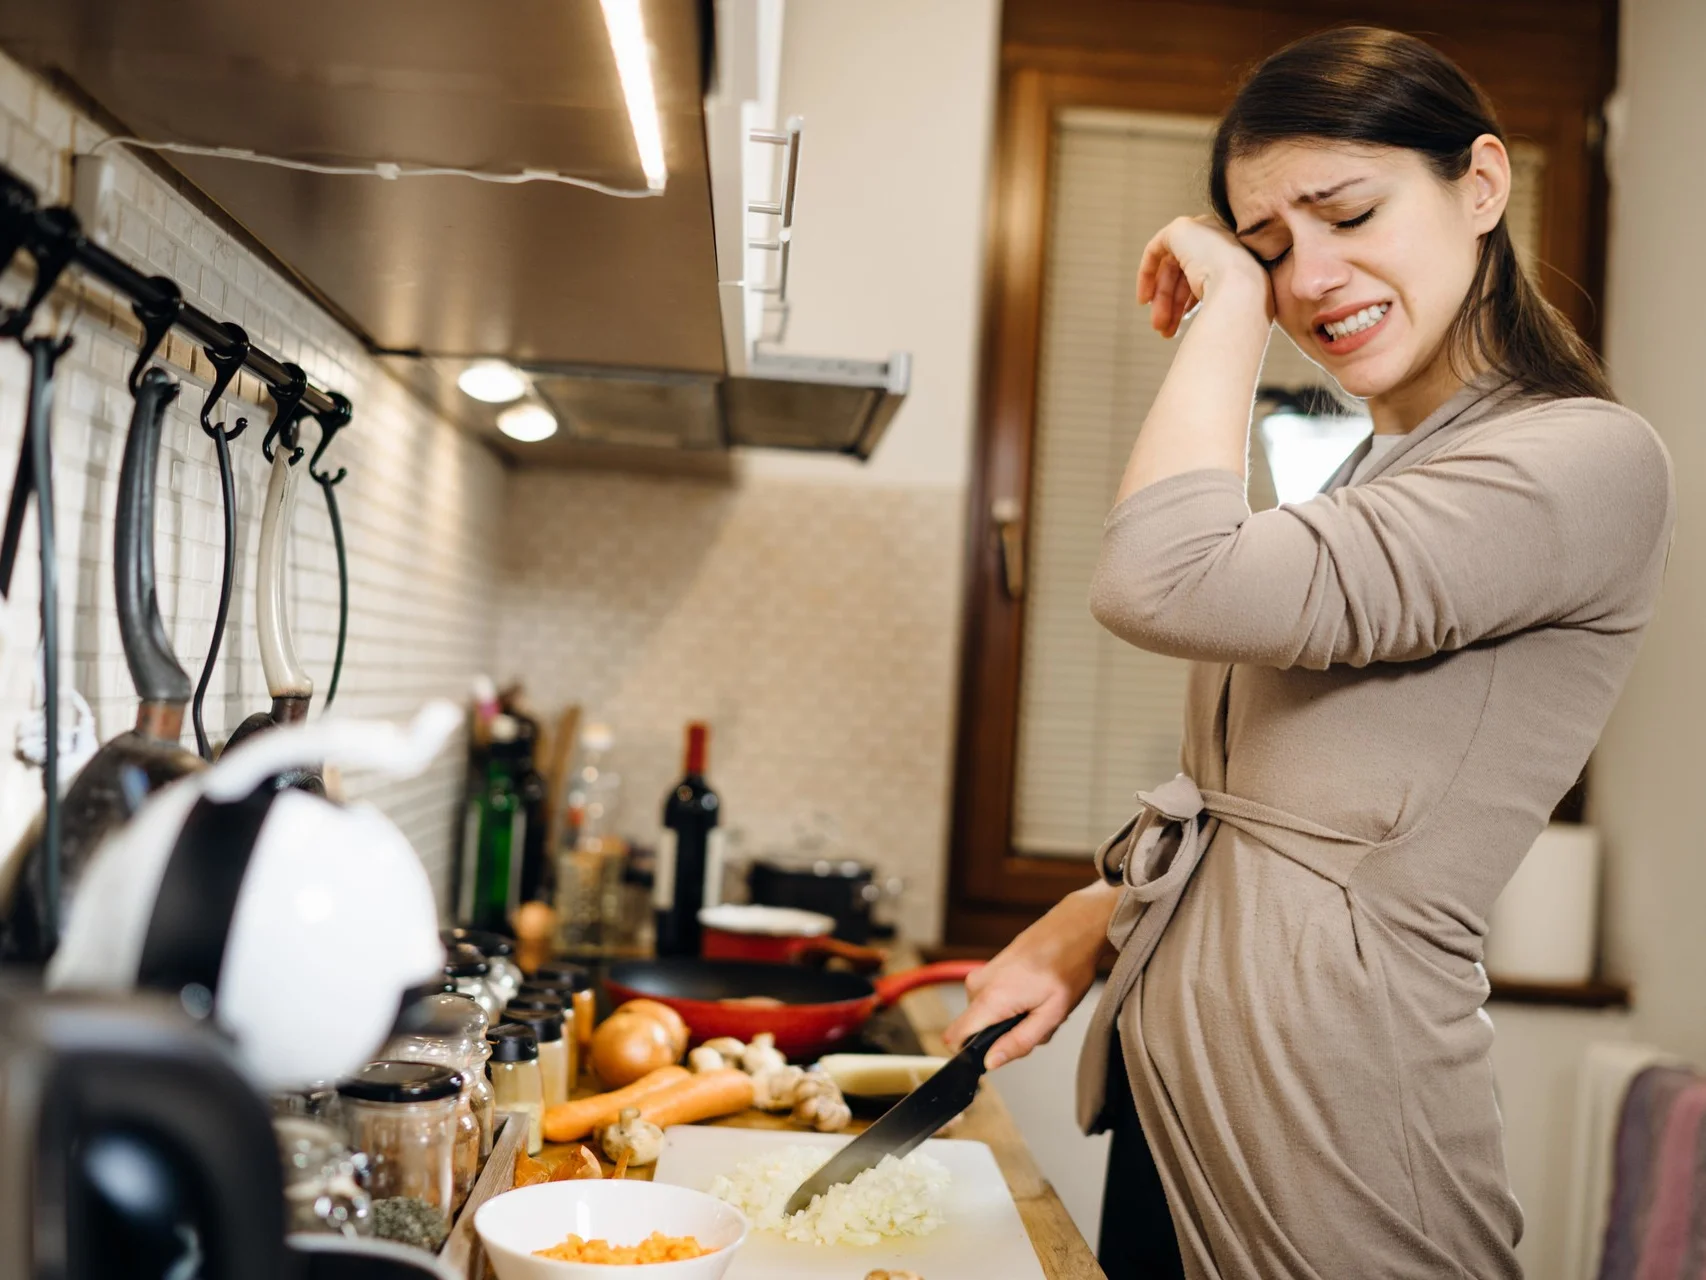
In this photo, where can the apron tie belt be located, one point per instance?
(1153, 856)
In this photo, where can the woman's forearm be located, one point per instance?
(1201, 416)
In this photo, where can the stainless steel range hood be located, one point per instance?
(642, 322)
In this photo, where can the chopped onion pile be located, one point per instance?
(897, 1198)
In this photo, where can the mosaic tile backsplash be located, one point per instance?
(813, 626)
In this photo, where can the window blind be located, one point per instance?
(1098, 719)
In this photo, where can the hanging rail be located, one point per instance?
(55, 239)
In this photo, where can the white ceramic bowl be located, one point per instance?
(513, 1225)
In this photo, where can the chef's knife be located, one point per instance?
(911, 1120)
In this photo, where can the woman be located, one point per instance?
(1392, 684)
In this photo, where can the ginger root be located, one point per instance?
(774, 1090)
(818, 1103)
(762, 1055)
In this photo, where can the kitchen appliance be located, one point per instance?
(777, 935)
(809, 1011)
(149, 755)
(290, 685)
(841, 888)
(910, 1121)
(982, 1236)
(654, 326)
(293, 924)
(131, 1146)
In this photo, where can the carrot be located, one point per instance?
(568, 1121)
(699, 1097)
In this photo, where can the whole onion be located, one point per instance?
(627, 1046)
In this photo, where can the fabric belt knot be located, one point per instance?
(1153, 856)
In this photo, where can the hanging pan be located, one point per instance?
(100, 799)
(288, 682)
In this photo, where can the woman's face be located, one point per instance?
(1370, 253)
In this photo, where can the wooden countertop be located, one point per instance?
(1061, 1249)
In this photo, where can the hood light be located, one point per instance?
(528, 423)
(627, 27)
(494, 381)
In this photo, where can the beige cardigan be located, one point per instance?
(1392, 685)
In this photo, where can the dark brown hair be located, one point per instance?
(1370, 86)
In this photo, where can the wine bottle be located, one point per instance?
(688, 872)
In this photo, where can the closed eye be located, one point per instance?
(1349, 224)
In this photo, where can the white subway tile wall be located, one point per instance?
(813, 626)
(421, 506)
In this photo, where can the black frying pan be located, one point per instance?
(97, 801)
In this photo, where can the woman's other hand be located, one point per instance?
(1044, 972)
(1191, 259)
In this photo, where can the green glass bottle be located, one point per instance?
(494, 837)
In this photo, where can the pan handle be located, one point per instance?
(893, 986)
(147, 648)
(286, 676)
(823, 948)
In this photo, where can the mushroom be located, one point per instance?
(762, 1055)
(774, 1090)
(632, 1140)
(705, 1058)
(730, 1048)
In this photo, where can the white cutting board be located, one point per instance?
(981, 1237)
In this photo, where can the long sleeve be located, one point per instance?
(1552, 515)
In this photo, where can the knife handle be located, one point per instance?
(979, 1043)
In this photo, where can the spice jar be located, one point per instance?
(550, 1002)
(516, 1084)
(402, 1117)
(503, 975)
(466, 970)
(322, 1179)
(547, 1028)
(574, 985)
(449, 1030)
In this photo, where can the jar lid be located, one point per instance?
(559, 973)
(512, 1042)
(464, 961)
(484, 941)
(538, 1002)
(442, 1015)
(401, 1082)
(546, 1026)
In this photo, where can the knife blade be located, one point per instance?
(910, 1121)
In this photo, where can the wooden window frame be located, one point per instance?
(1548, 64)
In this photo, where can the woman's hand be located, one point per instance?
(1044, 972)
(1188, 261)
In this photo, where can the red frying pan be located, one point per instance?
(809, 1011)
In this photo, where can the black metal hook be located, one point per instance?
(52, 237)
(157, 315)
(287, 409)
(226, 365)
(331, 423)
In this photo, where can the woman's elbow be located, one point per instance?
(1130, 614)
